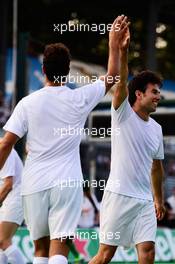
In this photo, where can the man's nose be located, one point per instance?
(158, 97)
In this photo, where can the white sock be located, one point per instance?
(58, 259)
(40, 260)
(14, 255)
(3, 258)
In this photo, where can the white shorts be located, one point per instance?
(54, 212)
(126, 221)
(12, 211)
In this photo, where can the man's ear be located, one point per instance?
(139, 94)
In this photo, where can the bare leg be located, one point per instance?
(59, 247)
(104, 255)
(12, 253)
(146, 252)
(7, 231)
(42, 247)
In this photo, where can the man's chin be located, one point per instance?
(152, 110)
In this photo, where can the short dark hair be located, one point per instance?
(140, 81)
(56, 61)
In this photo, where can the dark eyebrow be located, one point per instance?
(156, 90)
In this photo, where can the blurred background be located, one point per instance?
(27, 26)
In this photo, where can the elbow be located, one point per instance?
(5, 144)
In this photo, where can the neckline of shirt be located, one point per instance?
(146, 123)
(61, 87)
(56, 88)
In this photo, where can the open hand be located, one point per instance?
(119, 35)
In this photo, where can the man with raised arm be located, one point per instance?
(133, 196)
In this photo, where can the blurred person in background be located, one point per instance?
(4, 112)
(11, 212)
(90, 210)
(171, 202)
(168, 220)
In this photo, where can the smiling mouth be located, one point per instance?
(155, 102)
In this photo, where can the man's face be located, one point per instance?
(150, 98)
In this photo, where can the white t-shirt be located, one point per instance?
(53, 119)
(12, 167)
(135, 143)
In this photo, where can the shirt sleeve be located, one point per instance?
(9, 167)
(17, 123)
(122, 112)
(88, 96)
(160, 152)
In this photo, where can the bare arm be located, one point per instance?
(157, 175)
(121, 90)
(6, 145)
(112, 75)
(6, 188)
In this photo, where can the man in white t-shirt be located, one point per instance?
(51, 118)
(11, 212)
(129, 209)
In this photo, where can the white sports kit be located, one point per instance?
(53, 119)
(127, 205)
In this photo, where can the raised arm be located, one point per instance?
(121, 90)
(117, 29)
(157, 175)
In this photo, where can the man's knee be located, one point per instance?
(147, 253)
(106, 257)
(59, 247)
(106, 254)
(4, 244)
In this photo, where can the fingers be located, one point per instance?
(124, 38)
(125, 32)
(123, 22)
(118, 22)
(160, 216)
(160, 212)
(125, 27)
(119, 35)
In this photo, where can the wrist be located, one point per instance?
(113, 46)
(123, 52)
(159, 201)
